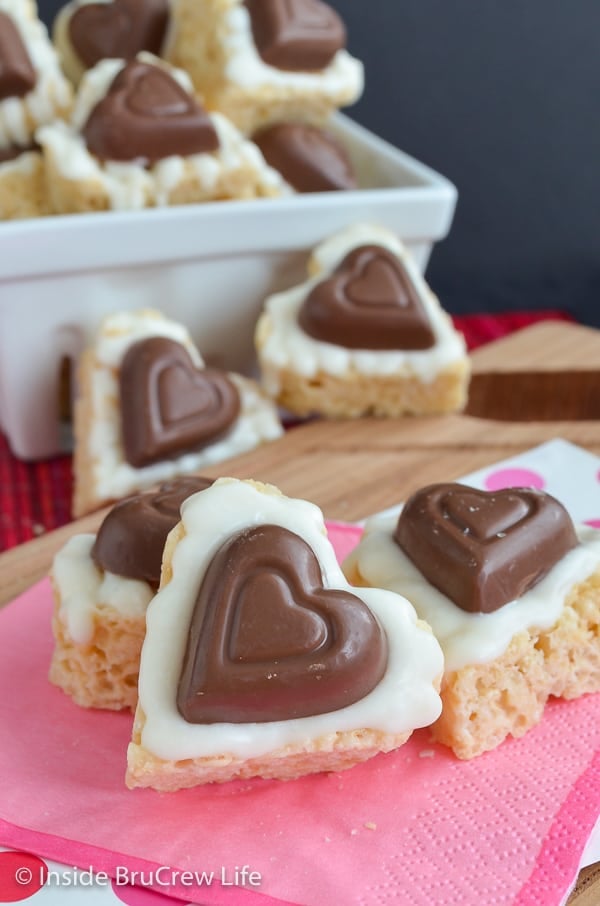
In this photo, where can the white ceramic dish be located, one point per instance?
(210, 266)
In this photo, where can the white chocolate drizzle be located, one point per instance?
(52, 94)
(257, 423)
(344, 75)
(85, 591)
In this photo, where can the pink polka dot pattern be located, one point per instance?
(22, 875)
(514, 478)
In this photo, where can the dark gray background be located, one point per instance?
(503, 97)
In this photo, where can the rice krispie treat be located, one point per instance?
(22, 185)
(102, 586)
(85, 32)
(308, 158)
(364, 335)
(259, 658)
(148, 410)
(33, 91)
(512, 592)
(265, 61)
(139, 138)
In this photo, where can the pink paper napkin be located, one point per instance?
(413, 827)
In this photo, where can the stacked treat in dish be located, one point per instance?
(33, 92)
(174, 103)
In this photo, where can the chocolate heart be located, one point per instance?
(296, 35)
(369, 302)
(484, 516)
(131, 539)
(168, 406)
(484, 549)
(17, 75)
(309, 159)
(146, 115)
(268, 642)
(120, 29)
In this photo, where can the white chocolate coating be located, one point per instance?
(19, 117)
(129, 184)
(404, 699)
(84, 589)
(119, 331)
(245, 67)
(283, 345)
(468, 638)
(114, 477)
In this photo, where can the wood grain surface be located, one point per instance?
(548, 372)
(350, 469)
(354, 468)
(587, 891)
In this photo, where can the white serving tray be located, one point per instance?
(210, 266)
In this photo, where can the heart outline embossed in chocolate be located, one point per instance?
(168, 406)
(484, 549)
(118, 29)
(146, 116)
(308, 158)
(268, 642)
(369, 302)
(296, 35)
(132, 537)
(17, 75)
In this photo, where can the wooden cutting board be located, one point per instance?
(540, 383)
(354, 468)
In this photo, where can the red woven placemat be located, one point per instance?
(36, 497)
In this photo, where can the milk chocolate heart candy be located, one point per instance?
(17, 75)
(268, 642)
(309, 159)
(119, 29)
(369, 302)
(131, 540)
(168, 406)
(147, 116)
(483, 549)
(297, 35)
